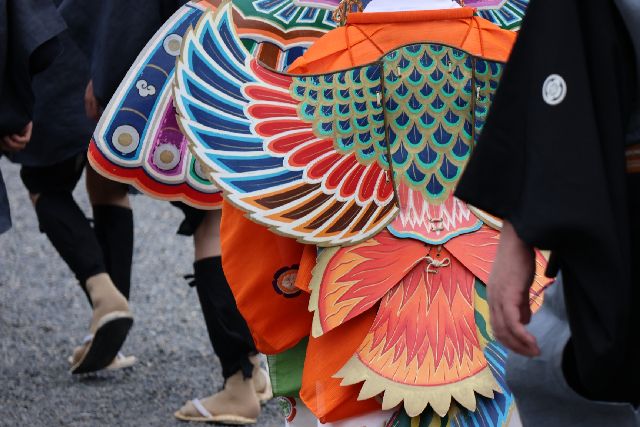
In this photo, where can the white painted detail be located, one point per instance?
(172, 44)
(145, 89)
(554, 89)
(125, 139)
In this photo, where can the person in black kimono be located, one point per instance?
(52, 164)
(551, 162)
(28, 45)
(124, 29)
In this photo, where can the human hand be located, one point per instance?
(91, 105)
(17, 141)
(508, 292)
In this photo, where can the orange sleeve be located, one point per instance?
(307, 263)
(322, 393)
(261, 268)
(497, 42)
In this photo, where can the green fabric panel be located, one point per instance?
(285, 370)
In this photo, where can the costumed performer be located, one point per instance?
(359, 157)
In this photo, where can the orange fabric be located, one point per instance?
(210, 4)
(259, 267)
(323, 394)
(307, 262)
(367, 36)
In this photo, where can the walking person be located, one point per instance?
(30, 28)
(52, 164)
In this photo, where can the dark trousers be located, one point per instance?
(228, 331)
(60, 217)
(105, 247)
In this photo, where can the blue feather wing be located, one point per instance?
(315, 177)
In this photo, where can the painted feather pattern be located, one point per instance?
(322, 158)
(243, 121)
(423, 348)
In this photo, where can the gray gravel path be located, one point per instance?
(43, 315)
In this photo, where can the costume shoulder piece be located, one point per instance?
(138, 141)
(303, 155)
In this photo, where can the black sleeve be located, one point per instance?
(27, 45)
(551, 161)
(81, 17)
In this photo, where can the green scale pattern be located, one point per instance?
(436, 101)
(346, 107)
(421, 106)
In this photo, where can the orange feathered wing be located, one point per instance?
(423, 346)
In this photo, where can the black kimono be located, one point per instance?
(551, 161)
(61, 128)
(27, 45)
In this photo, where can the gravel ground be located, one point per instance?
(43, 315)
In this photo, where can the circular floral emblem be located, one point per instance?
(284, 281)
(554, 89)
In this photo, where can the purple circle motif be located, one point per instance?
(284, 281)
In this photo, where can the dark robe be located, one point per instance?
(82, 18)
(557, 173)
(61, 128)
(630, 10)
(27, 45)
(124, 28)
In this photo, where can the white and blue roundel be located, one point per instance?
(554, 89)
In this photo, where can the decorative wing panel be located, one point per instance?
(303, 155)
(138, 140)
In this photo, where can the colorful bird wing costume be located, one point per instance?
(138, 140)
(302, 155)
(363, 162)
